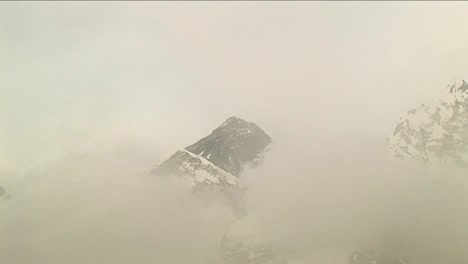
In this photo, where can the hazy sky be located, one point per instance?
(152, 77)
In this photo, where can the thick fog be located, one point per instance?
(94, 95)
(97, 209)
(338, 195)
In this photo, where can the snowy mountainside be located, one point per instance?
(437, 131)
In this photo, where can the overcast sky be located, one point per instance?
(152, 77)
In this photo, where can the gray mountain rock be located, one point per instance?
(232, 146)
(213, 164)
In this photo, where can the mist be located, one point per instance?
(97, 209)
(338, 196)
(94, 95)
(324, 197)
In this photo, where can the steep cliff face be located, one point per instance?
(437, 131)
(212, 165)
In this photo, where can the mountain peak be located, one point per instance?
(235, 144)
(232, 145)
(213, 164)
(233, 119)
(236, 122)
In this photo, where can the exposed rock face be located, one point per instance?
(213, 164)
(437, 131)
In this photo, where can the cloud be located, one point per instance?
(345, 195)
(96, 209)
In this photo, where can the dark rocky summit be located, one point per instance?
(233, 145)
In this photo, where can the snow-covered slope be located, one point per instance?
(212, 165)
(196, 169)
(437, 131)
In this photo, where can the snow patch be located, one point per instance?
(231, 179)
